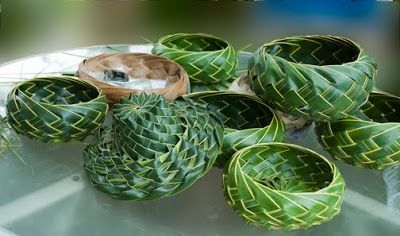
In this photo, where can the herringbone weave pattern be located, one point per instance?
(56, 109)
(247, 121)
(283, 186)
(207, 59)
(155, 149)
(318, 77)
(366, 143)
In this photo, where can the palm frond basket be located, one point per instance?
(283, 186)
(372, 141)
(315, 77)
(136, 65)
(246, 118)
(207, 59)
(155, 148)
(56, 109)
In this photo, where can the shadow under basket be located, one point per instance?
(111, 72)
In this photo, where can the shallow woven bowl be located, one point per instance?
(155, 148)
(372, 141)
(282, 186)
(56, 109)
(314, 77)
(206, 58)
(137, 65)
(246, 118)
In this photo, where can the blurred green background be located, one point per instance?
(36, 26)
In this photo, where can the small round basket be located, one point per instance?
(206, 58)
(122, 66)
(283, 186)
(315, 77)
(56, 109)
(155, 148)
(372, 141)
(246, 118)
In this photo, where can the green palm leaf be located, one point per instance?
(318, 77)
(155, 148)
(246, 118)
(372, 142)
(282, 186)
(209, 61)
(56, 109)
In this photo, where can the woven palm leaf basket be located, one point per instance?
(112, 73)
(372, 141)
(283, 186)
(56, 109)
(314, 77)
(208, 60)
(155, 148)
(296, 128)
(246, 118)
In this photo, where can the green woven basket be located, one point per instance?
(246, 118)
(371, 142)
(283, 186)
(318, 77)
(56, 109)
(208, 60)
(155, 149)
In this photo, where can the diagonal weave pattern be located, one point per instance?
(155, 149)
(283, 186)
(366, 143)
(318, 77)
(137, 65)
(246, 118)
(207, 59)
(56, 109)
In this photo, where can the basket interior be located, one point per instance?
(314, 50)
(238, 111)
(286, 168)
(58, 91)
(382, 108)
(195, 43)
(134, 66)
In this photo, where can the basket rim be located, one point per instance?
(369, 122)
(164, 38)
(361, 50)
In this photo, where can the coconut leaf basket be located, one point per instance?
(209, 60)
(315, 77)
(119, 67)
(246, 118)
(56, 109)
(282, 186)
(371, 140)
(155, 148)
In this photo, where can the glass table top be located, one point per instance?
(51, 195)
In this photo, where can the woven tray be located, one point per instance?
(138, 65)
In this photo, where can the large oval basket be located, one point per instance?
(134, 65)
(282, 186)
(247, 120)
(318, 77)
(206, 58)
(372, 141)
(56, 109)
(155, 149)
